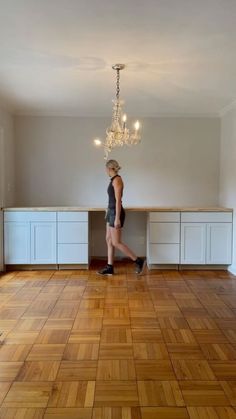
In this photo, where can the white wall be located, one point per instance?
(228, 168)
(6, 169)
(7, 159)
(177, 163)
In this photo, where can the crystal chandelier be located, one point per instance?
(118, 134)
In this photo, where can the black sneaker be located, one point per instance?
(108, 270)
(140, 266)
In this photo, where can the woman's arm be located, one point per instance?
(118, 188)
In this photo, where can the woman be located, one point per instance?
(115, 218)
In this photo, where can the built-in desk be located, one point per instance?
(59, 236)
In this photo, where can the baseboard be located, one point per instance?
(30, 267)
(189, 267)
(72, 266)
(45, 267)
(117, 258)
(163, 266)
(232, 269)
(204, 267)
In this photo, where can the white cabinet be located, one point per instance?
(219, 243)
(193, 243)
(72, 216)
(72, 253)
(163, 253)
(46, 237)
(190, 238)
(29, 237)
(174, 237)
(16, 243)
(72, 237)
(163, 238)
(206, 238)
(73, 232)
(43, 243)
(164, 232)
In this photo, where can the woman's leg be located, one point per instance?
(113, 238)
(115, 234)
(110, 247)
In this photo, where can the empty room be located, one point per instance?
(117, 209)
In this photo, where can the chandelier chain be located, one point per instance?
(117, 84)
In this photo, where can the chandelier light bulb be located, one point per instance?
(137, 125)
(97, 142)
(124, 117)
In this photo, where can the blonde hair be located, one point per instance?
(113, 164)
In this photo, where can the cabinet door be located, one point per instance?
(16, 243)
(193, 243)
(43, 242)
(219, 243)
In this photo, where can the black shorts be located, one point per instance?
(111, 215)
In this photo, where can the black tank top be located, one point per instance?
(111, 194)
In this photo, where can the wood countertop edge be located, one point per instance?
(137, 209)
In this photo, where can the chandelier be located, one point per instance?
(118, 134)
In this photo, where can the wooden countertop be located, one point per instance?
(144, 209)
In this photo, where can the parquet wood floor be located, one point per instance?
(77, 345)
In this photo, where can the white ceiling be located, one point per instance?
(56, 56)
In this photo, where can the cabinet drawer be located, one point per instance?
(29, 216)
(164, 232)
(73, 232)
(164, 253)
(164, 216)
(16, 216)
(72, 216)
(73, 253)
(43, 216)
(206, 217)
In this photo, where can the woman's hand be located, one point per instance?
(117, 223)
